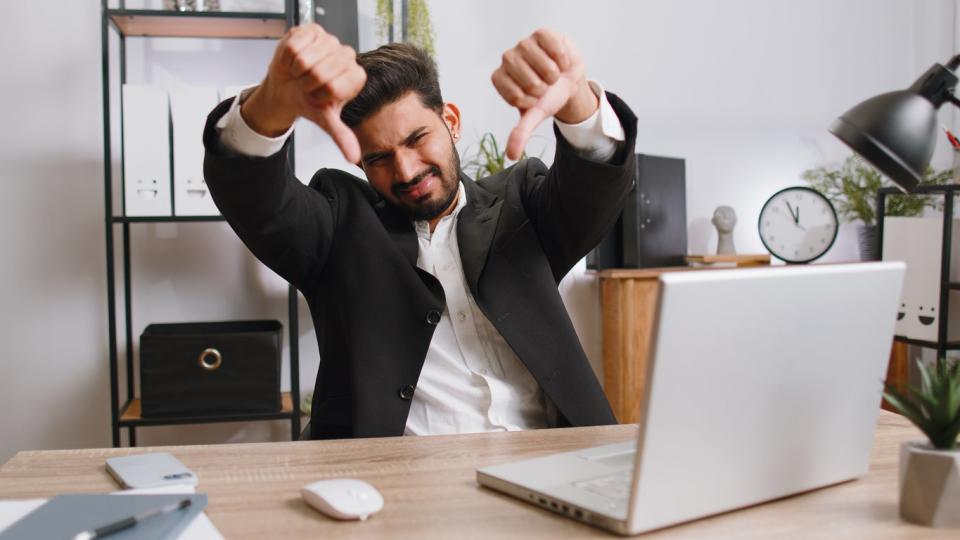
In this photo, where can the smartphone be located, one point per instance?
(150, 470)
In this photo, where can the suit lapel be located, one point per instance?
(401, 230)
(476, 226)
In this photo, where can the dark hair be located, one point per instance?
(394, 70)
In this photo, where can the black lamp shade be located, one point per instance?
(896, 132)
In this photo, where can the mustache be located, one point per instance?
(433, 169)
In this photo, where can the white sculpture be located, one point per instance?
(725, 219)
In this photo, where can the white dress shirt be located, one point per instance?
(471, 380)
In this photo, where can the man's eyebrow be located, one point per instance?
(373, 156)
(410, 139)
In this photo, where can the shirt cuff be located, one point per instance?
(237, 136)
(596, 137)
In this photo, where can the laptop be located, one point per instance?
(762, 383)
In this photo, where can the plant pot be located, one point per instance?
(867, 242)
(929, 485)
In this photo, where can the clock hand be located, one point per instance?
(794, 216)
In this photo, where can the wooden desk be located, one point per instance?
(430, 488)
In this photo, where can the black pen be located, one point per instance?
(131, 521)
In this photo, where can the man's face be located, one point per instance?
(409, 158)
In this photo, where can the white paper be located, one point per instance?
(146, 151)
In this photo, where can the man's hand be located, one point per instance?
(543, 76)
(311, 75)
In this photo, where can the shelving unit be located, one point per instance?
(154, 23)
(946, 285)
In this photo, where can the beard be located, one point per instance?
(449, 178)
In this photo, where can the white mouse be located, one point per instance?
(343, 498)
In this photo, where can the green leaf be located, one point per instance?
(926, 379)
(902, 404)
(948, 440)
(487, 159)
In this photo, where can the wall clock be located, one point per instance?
(798, 224)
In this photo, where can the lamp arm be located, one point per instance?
(954, 63)
(938, 83)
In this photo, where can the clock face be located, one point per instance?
(798, 224)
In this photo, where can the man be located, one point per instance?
(434, 297)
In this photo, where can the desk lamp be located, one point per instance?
(896, 131)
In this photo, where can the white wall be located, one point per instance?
(742, 89)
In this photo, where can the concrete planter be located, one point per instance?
(929, 485)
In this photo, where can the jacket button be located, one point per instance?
(406, 392)
(433, 318)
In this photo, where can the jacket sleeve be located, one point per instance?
(288, 226)
(573, 204)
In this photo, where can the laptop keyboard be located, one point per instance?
(614, 486)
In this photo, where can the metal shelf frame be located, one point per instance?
(949, 191)
(159, 24)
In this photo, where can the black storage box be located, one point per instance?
(652, 229)
(213, 367)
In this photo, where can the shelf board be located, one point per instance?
(201, 24)
(164, 219)
(131, 415)
(951, 345)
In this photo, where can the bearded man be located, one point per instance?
(434, 297)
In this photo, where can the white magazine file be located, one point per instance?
(146, 151)
(189, 107)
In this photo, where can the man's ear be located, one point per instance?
(451, 117)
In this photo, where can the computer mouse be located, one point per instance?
(343, 498)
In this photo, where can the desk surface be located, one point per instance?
(430, 488)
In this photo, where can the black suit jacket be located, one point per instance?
(353, 256)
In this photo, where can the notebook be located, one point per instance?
(66, 515)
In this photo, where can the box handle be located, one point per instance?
(207, 364)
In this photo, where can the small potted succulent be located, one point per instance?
(930, 470)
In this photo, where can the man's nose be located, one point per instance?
(406, 165)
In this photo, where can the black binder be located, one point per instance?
(652, 229)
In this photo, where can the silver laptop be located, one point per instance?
(762, 383)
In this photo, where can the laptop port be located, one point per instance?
(543, 501)
(578, 514)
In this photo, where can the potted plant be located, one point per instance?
(930, 470)
(489, 158)
(852, 188)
